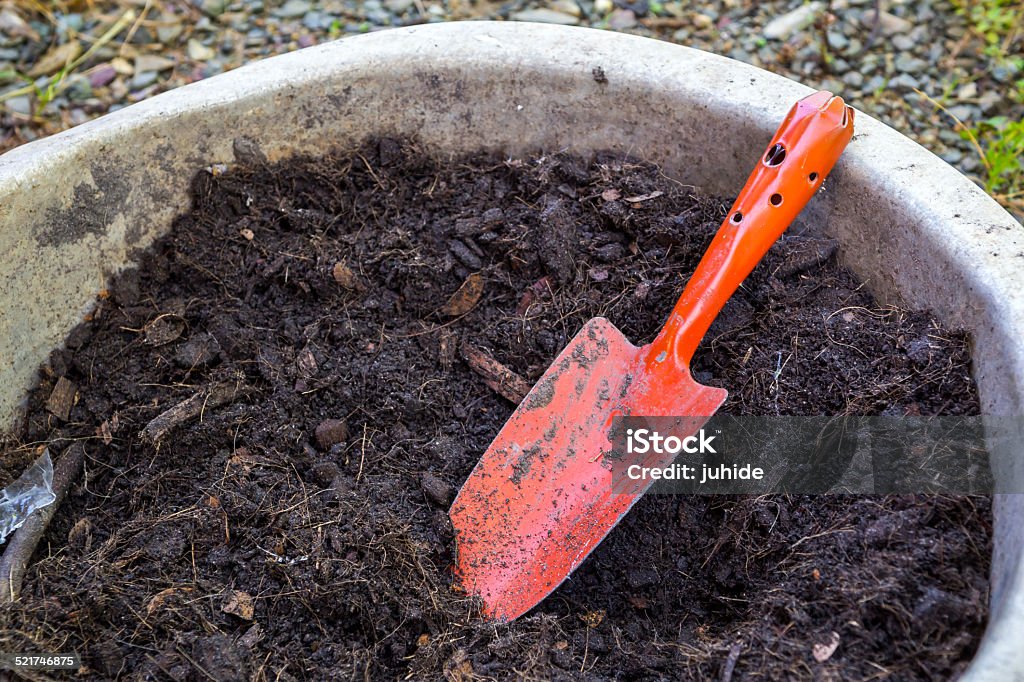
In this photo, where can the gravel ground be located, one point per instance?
(924, 45)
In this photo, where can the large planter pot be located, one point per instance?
(77, 207)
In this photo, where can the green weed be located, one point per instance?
(999, 24)
(1002, 140)
(996, 22)
(55, 83)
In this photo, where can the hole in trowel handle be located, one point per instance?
(775, 199)
(737, 218)
(775, 155)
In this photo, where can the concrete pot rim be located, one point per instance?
(969, 244)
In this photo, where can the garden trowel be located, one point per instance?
(543, 496)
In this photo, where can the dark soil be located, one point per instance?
(261, 540)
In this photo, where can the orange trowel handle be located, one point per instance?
(803, 151)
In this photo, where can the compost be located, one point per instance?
(278, 405)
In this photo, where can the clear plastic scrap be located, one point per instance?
(32, 491)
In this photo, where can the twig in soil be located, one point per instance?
(214, 396)
(497, 376)
(22, 544)
(362, 454)
(730, 662)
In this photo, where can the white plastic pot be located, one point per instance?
(78, 206)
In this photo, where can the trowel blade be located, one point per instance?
(542, 497)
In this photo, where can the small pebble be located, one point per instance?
(967, 91)
(702, 21)
(904, 82)
(854, 79)
(199, 52)
(293, 9)
(566, 7)
(989, 101)
(785, 25)
(545, 16)
(1005, 73)
(909, 64)
(78, 88)
(19, 105)
(143, 79)
(888, 24)
(837, 40)
(102, 76)
(875, 84)
(903, 43)
(952, 156)
(152, 62)
(964, 112)
(214, 7)
(621, 19)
